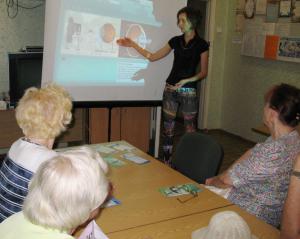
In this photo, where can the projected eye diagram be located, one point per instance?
(137, 34)
(91, 35)
(108, 33)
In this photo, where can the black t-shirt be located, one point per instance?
(186, 59)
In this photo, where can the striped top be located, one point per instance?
(14, 181)
(21, 162)
(260, 183)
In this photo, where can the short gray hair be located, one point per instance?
(66, 189)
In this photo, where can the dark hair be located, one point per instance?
(192, 15)
(285, 99)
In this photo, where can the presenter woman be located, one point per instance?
(190, 55)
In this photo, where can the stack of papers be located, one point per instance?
(114, 162)
(92, 231)
(178, 190)
(134, 158)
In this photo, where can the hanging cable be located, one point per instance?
(14, 5)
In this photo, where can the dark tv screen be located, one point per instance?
(25, 70)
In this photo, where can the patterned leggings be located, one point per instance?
(187, 98)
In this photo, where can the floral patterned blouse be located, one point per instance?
(260, 183)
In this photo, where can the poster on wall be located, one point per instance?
(239, 22)
(261, 7)
(240, 5)
(296, 11)
(249, 9)
(285, 8)
(289, 49)
(271, 47)
(272, 11)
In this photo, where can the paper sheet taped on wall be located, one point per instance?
(271, 47)
(254, 38)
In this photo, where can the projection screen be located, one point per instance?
(81, 53)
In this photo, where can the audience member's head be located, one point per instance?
(44, 113)
(285, 100)
(225, 225)
(67, 190)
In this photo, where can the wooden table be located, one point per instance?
(182, 227)
(136, 186)
(144, 211)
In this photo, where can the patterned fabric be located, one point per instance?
(260, 183)
(14, 181)
(22, 161)
(187, 98)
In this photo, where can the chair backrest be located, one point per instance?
(198, 156)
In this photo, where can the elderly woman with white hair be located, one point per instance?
(65, 192)
(42, 114)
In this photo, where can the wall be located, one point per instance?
(217, 51)
(244, 80)
(26, 29)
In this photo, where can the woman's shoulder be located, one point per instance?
(29, 155)
(202, 43)
(270, 148)
(177, 37)
(286, 145)
(28, 229)
(175, 40)
(290, 141)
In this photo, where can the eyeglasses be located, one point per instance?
(188, 199)
(193, 192)
(186, 188)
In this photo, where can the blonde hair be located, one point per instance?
(66, 189)
(44, 113)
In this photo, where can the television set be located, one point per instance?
(25, 70)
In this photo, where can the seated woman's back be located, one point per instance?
(42, 114)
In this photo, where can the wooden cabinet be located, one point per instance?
(127, 123)
(10, 131)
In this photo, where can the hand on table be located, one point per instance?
(216, 182)
(211, 181)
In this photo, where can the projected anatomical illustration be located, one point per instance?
(73, 34)
(136, 33)
(108, 33)
(140, 33)
(90, 35)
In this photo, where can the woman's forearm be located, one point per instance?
(152, 56)
(144, 52)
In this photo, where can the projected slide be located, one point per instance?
(92, 38)
(82, 53)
